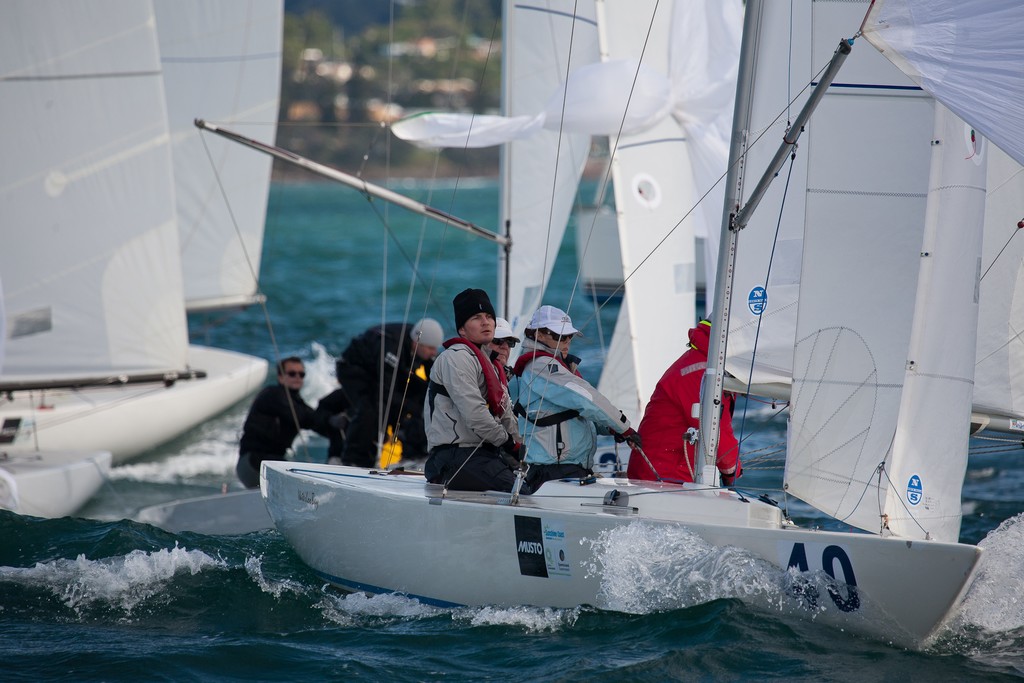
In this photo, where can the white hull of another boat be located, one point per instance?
(222, 514)
(368, 531)
(128, 420)
(51, 483)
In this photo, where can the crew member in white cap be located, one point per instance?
(401, 355)
(504, 341)
(560, 413)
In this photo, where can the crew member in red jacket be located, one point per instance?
(669, 416)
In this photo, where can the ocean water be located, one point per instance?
(99, 597)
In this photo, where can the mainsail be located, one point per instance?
(91, 267)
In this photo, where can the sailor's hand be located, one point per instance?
(630, 436)
(728, 479)
(512, 447)
(339, 422)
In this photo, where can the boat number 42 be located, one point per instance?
(833, 557)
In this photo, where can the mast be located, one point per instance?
(505, 163)
(711, 393)
(735, 219)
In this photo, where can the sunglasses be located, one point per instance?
(510, 343)
(295, 373)
(563, 337)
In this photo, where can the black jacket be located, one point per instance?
(359, 369)
(270, 426)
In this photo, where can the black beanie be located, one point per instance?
(468, 303)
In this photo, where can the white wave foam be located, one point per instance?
(213, 454)
(320, 375)
(274, 587)
(349, 608)
(994, 602)
(122, 582)
(647, 568)
(532, 619)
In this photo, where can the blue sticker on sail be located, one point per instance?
(915, 491)
(757, 300)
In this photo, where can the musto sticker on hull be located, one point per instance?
(541, 547)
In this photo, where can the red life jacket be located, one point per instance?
(496, 381)
(527, 357)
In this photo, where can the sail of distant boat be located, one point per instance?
(95, 283)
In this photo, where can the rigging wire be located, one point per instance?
(262, 299)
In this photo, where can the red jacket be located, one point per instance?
(668, 416)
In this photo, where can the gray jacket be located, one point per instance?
(461, 417)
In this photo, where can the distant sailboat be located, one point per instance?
(107, 209)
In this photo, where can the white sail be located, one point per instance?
(966, 54)
(222, 62)
(97, 342)
(92, 276)
(929, 454)
(969, 56)
(544, 41)
(659, 174)
(999, 373)
(767, 274)
(867, 151)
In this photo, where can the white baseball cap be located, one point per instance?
(554, 319)
(502, 330)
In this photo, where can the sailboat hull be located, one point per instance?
(130, 419)
(368, 531)
(51, 483)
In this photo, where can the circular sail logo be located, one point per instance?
(915, 491)
(757, 300)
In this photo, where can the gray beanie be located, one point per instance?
(427, 332)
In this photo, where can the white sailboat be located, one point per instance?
(50, 484)
(899, 584)
(112, 221)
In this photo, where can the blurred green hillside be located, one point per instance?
(350, 67)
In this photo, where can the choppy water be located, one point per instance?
(108, 599)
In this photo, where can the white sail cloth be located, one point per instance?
(969, 56)
(92, 275)
(967, 53)
(696, 90)
(221, 187)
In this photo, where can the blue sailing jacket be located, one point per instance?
(560, 413)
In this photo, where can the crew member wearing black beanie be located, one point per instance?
(468, 303)
(471, 431)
